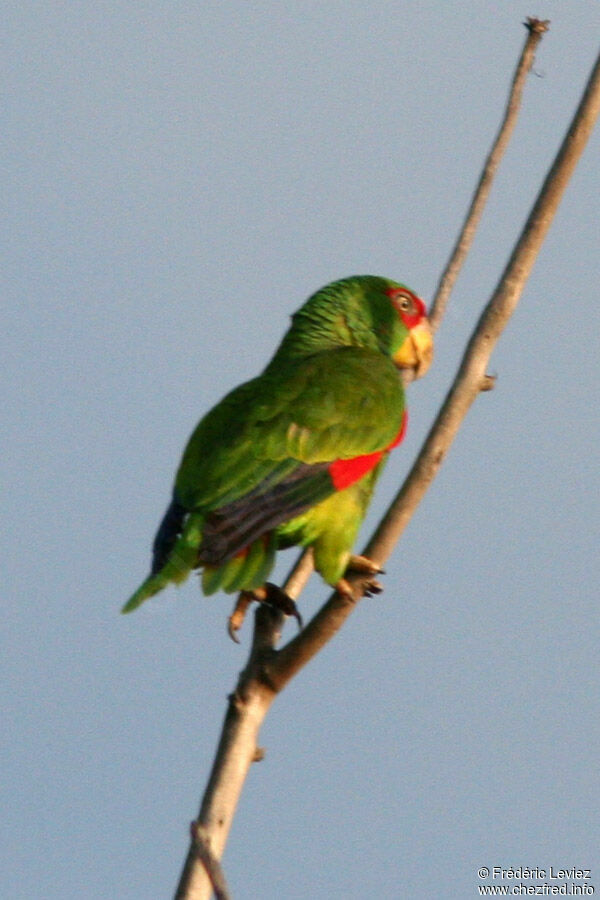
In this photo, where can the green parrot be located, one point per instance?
(292, 456)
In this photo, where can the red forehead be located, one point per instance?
(396, 295)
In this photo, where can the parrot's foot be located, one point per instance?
(236, 619)
(362, 565)
(369, 586)
(269, 594)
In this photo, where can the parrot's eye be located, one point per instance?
(410, 308)
(405, 303)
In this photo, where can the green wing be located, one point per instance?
(335, 405)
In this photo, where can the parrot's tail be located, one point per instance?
(182, 558)
(168, 532)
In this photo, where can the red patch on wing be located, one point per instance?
(345, 472)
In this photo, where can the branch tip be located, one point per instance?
(536, 26)
(259, 754)
(536, 29)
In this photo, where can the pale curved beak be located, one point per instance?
(416, 352)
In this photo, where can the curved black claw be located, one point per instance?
(278, 599)
(232, 630)
(373, 587)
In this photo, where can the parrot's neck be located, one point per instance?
(324, 326)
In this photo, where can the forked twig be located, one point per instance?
(212, 866)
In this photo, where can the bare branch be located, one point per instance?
(237, 750)
(535, 29)
(268, 670)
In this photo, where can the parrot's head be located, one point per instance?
(413, 345)
(363, 311)
(396, 320)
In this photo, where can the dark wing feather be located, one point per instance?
(236, 525)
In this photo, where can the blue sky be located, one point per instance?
(177, 181)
